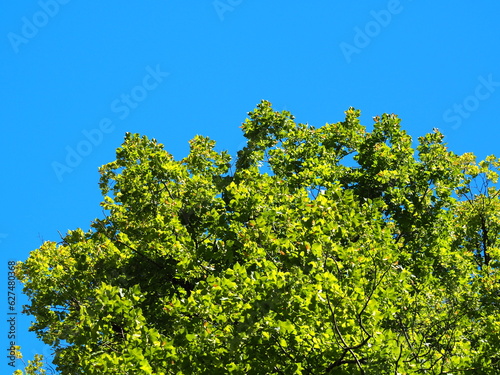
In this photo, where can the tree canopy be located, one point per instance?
(329, 250)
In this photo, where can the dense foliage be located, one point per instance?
(331, 250)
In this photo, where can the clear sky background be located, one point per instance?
(76, 75)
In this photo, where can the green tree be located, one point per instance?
(34, 367)
(331, 250)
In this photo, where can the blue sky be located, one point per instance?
(75, 76)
